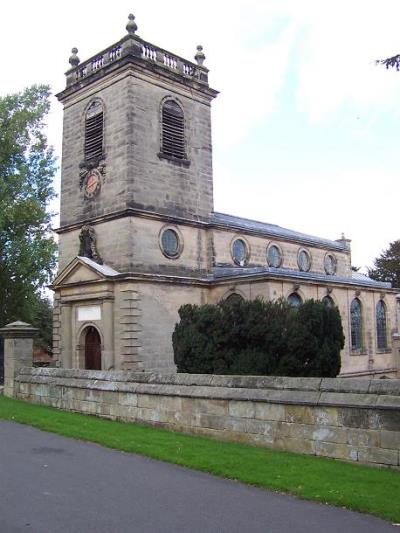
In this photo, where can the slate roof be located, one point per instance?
(272, 230)
(242, 272)
(105, 270)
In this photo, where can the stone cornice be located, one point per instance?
(205, 281)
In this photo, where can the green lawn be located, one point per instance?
(361, 488)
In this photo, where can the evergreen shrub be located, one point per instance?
(259, 338)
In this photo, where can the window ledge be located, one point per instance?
(361, 351)
(175, 160)
(383, 350)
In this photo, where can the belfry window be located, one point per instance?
(381, 335)
(94, 130)
(356, 325)
(173, 130)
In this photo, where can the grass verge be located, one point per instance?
(356, 487)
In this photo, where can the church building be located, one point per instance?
(139, 236)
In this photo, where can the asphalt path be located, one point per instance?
(51, 484)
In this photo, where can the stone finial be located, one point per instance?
(131, 27)
(200, 57)
(74, 59)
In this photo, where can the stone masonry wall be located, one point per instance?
(354, 420)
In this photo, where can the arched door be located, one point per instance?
(92, 349)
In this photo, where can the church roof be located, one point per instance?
(272, 230)
(105, 270)
(242, 272)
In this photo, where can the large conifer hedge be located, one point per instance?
(259, 338)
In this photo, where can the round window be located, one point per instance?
(239, 252)
(304, 261)
(170, 243)
(274, 257)
(330, 264)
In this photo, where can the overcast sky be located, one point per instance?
(306, 127)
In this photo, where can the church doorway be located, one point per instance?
(92, 349)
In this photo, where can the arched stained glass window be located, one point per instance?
(381, 335)
(328, 301)
(274, 256)
(234, 298)
(173, 130)
(294, 300)
(356, 325)
(94, 130)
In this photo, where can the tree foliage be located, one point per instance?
(387, 266)
(27, 167)
(259, 338)
(390, 62)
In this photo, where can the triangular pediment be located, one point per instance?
(82, 270)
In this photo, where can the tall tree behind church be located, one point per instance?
(387, 265)
(27, 168)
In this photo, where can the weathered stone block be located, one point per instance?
(330, 434)
(269, 411)
(338, 451)
(213, 421)
(299, 414)
(127, 398)
(379, 455)
(86, 407)
(242, 409)
(55, 392)
(363, 437)
(214, 407)
(103, 409)
(390, 439)
(294, 445)
(326, 416)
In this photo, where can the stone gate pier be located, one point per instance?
(18, 347)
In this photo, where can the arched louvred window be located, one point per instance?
(173, 130)
(294, 300)
(381, 336)
(356, 325)
(94, 130)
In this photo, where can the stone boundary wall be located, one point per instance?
(351, 419)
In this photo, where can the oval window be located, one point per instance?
(239, 252)
(170, 243)
(330, 264)
(274, 256)
(304, 261)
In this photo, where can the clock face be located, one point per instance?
(92, 185)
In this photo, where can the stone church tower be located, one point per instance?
(136, 176)
(139, 236)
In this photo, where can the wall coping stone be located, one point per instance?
(273, 389)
